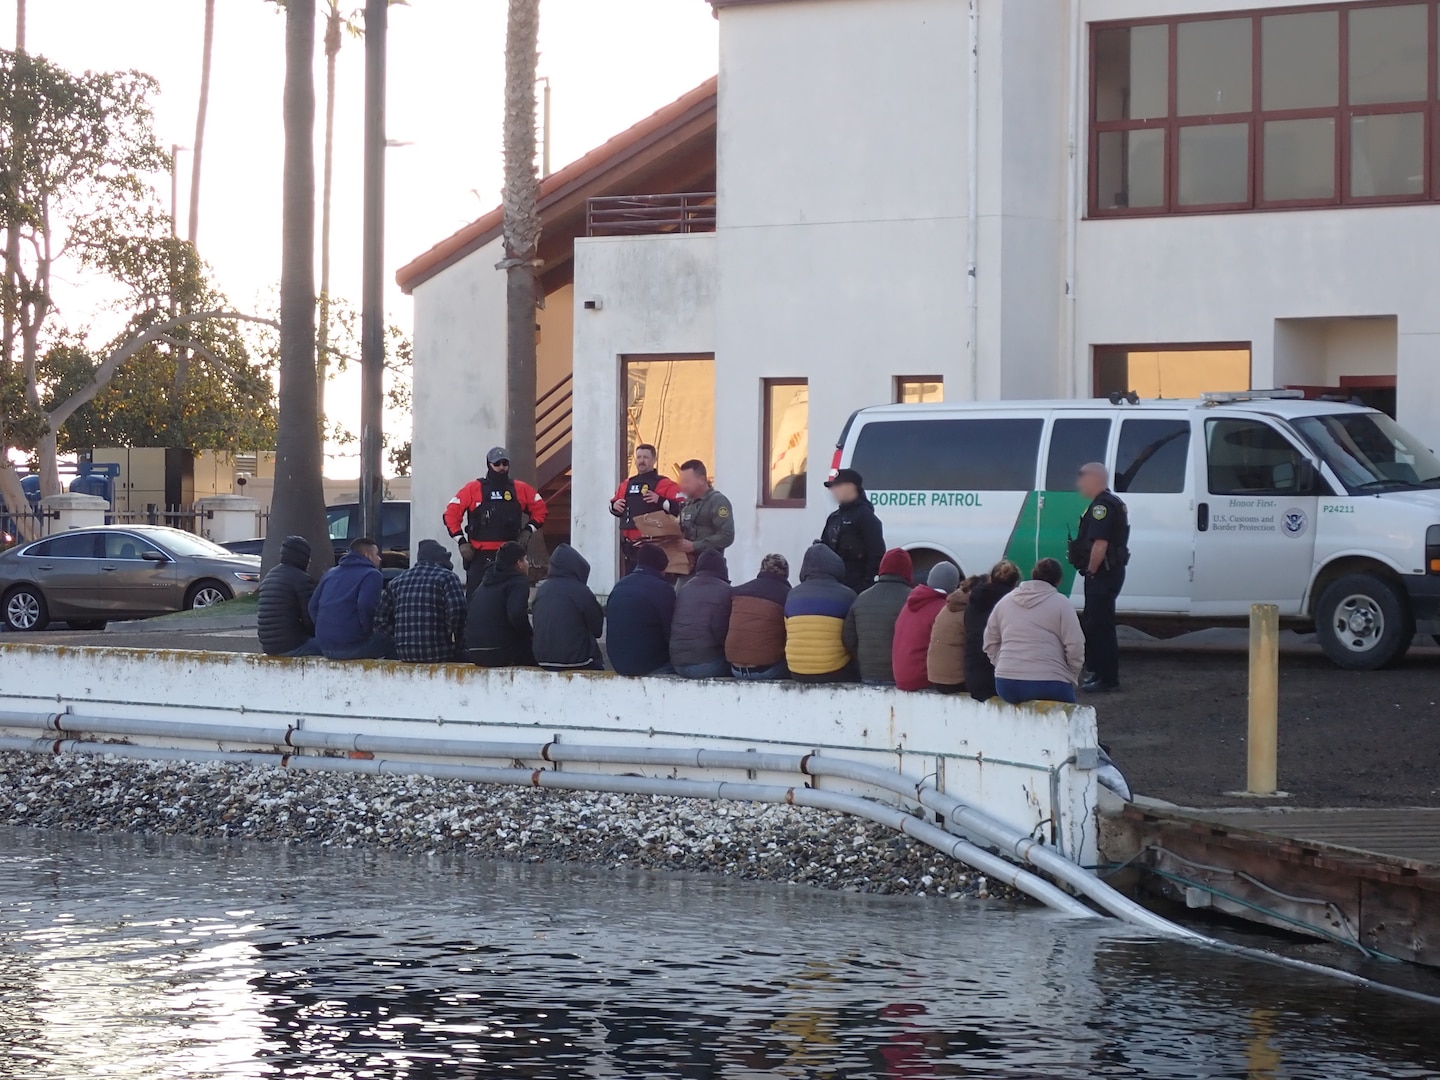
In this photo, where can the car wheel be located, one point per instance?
(1363, 623)
(205, 594)
(87, 624)
(25, 609)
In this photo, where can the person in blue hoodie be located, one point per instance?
(343, 606)
(639, 614)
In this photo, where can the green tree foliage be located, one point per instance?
(78, 192)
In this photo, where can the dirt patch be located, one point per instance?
(1347, 738)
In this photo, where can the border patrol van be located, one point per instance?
(1330, 511)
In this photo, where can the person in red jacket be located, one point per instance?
(643, 493)
(914, 626)
(489, 512)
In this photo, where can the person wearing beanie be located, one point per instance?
(282, 617)
(870, 626)
(755, 639)
(568, 619)
(497, 626)
(422, 611)
(916, 623)
(853, 531)
(702, 619)
(815, 614)
(639, 615)
(490, 511)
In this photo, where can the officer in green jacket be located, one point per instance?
(707, 522)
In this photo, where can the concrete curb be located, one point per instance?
(197, 623)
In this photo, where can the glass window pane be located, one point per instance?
(1074, 443)
(1214, 164)
(1249, 457)
(1387, 154)
(75, 546)
(1300, 159)
(670, 404)
(1152, 455)
(1388, 54)
(948, 455)
(1130, 169)
(1300, 60)
(787, 440)
(919, 390)
(1132, 73)
(1212, 67)
(127, 547)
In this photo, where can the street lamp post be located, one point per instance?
(372, 290)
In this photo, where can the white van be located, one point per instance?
(1331, 511)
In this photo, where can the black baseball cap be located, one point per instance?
(846, 476)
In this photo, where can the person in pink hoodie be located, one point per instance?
(911, 645)
(1034, 640)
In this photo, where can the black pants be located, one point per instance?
(475, 570)
(1102, 652)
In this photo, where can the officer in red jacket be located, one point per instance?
(489, 512)
(643, 493)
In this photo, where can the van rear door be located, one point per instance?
(1256, 501)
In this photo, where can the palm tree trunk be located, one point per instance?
(193, 225)
(12, 230)
(333, 39)
(521, 231)
(298, 506)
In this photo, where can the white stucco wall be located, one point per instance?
(1015, 764)
(459, 383)
(657, 299)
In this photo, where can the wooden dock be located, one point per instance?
(1367, 878)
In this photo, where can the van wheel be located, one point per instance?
(926, 559)
(1363, 623)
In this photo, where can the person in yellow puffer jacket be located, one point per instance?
(815, 614)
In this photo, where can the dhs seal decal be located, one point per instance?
(1294, 522)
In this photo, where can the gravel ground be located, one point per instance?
(421, 815)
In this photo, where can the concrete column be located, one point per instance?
(228, 517)
(68, 511)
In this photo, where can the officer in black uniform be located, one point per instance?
(1100, 553)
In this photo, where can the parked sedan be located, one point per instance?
(89, 576)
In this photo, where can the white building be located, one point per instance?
(976, 198)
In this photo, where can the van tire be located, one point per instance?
(1363, 622)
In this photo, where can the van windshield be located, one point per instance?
(1370, 452)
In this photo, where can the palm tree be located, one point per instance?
(334, 24)
(12, 232)
(299, 501)
(521, 231)
(193, 225)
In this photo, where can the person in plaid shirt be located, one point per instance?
(423, 610)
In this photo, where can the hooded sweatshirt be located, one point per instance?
(945, 662)
(497, 627)
(568, 619)
(343, 604)
(638, 616)
(869, 633)
(702, 613)
(979, 671)
(815, 614)
(912, 637)
(282, 617)
(1034, 635)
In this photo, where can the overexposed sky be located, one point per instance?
(610, 63)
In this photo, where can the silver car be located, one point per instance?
(89, 576)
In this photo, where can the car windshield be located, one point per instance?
(1370, 452)
(179, 542)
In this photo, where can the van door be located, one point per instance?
(1254, 518)
(1151, 472)
(1075, 439)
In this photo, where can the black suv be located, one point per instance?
(344, 522)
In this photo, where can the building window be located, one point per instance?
(787, 441)
(919, 389)
(670, 404)
(1265, 110)
(1171, 371)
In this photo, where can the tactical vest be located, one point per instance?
(635, 490)
(499, 517)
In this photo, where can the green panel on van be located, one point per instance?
(1044, 534)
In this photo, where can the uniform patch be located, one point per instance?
(508, 496)
(723, 512)
(1098, 513)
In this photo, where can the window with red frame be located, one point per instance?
(1261, 110)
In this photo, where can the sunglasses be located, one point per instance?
(502, 461)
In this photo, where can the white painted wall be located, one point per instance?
(996, 757)
(657, 298)
(459, 384)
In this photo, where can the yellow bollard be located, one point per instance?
(1260, 772)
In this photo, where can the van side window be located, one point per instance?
(949, 455)
(1074, 442)
(1249, 457)
(1152, 456)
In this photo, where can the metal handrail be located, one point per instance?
(632, 215)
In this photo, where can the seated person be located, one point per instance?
(343, 606)
(702, 619)
(639, 614)
(497, 627)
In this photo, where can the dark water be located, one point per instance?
(125, 957)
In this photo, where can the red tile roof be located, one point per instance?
(588, 173)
